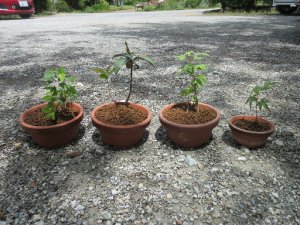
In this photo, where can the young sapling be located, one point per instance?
(260, 102)
(63, 93)
(104, 74)
(197, 80)
(130, 60)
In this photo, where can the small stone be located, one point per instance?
(114, 192)
(275, 194)
(242, 158)
(169, 196)
(65, 163)
(278, 142)
(99, 151)
(36, 218)
(132, 217)
(73, 204)
(244, 216)
(74, 154)
(80, 84)
(141, 185)
(79, 207)
(191, 162)
(178, 222)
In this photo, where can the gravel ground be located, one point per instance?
(151, 183)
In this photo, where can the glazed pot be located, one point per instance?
(247, 138)
(189, 135)
(56, 135)
(122, 136)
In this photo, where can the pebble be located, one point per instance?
(242, 158)
(190, 161)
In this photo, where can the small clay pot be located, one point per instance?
(122, 136)
(247, 138)
(56, 135)
(189, 135)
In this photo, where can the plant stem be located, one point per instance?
(131, 68)
(109, 92)
(256, 113)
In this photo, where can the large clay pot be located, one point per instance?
(122, 136)
(247, 138)
(56, 135)
(189, 135)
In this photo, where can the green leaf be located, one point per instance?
(250, 100)
(45, 110)
(197, 57)
(181, 57)
(61, 103)
(46, 98)
(103, 76)
(51, 104)
(48, 76)
(120, 62)
(123, 54)
(189, 53)
(99, 70)
(72, 79)
(107, 69)
(201, 67)
(61, 77)
(144, 58)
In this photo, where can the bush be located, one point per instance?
(149, 8)
(160, 6)
(40, 5)
(129, 2)
(50, 6)
(173, 4)
(62, 6)
(192, 3)
(103, 5)
(76, 4)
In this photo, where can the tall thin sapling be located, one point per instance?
(104, 74)
(260, 102)
(129, 59)
(63, 93)
(197, 80)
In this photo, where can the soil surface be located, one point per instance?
(62, 115)
(120, 115)
(179, 114)
(251, 125)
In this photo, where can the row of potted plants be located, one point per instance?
(188, 124)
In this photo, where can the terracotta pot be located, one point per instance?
(189, 135)
(56, 135)
(122, 136)
(247, 138)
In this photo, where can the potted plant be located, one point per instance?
(122, 124)
(253, 131)
(55, 123)
(189, 124)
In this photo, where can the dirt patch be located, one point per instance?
(62, 115)
(251, 125)
(120, 115)
(178, 114)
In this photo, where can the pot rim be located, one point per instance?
(149, 116)
(272, 126)
(189, 126)
(25, 114)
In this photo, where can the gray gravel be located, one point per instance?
(156, 181)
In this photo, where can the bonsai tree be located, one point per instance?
(197, 80)
(62, 93)
(130, 60)
(254, 97)
(104, 74)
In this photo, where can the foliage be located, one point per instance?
(232, 3)
(76, 4)
(197, 80)
(40, 5)
(62, 6)
(149, 8)
(50, 6)
(62, 93)
(173, 4)
(192, 3)
(130, 2)
(103, 5)
(129, 59)
(260, 102)
(104, 74)
(160, 6)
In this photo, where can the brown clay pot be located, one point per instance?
(247, 138)
(189, 135)
(56, 135)
(122, 136)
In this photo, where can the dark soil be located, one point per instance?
(62, 115)
(251, 125)
(120, 115)
(178, 114)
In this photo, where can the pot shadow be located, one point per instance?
(228, 139)
(162, 137)
(96, 137)
(32, 144)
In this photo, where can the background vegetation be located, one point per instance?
(91, 6)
